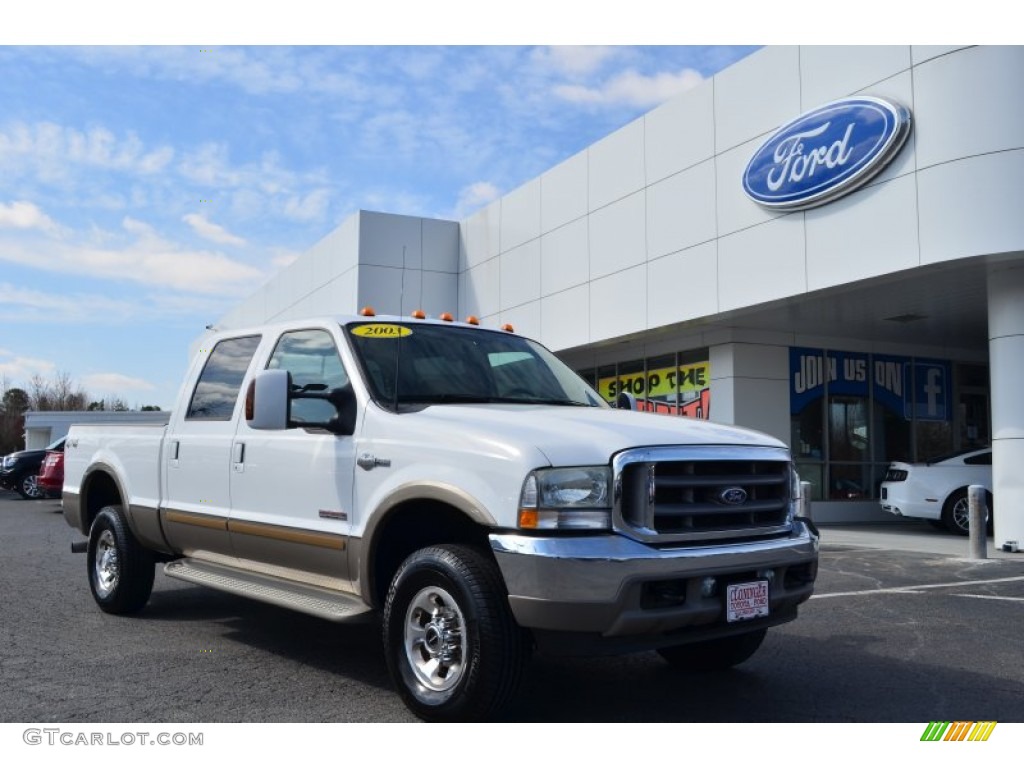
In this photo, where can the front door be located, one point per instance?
(291, 490)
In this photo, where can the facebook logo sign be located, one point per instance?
(930, 392)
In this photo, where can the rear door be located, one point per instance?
(197, 454)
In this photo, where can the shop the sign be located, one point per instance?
(826, 153)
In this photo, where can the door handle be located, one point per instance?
(239, 453)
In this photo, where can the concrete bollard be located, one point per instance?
(805, 500)
(978, 514)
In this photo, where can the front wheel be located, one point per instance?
(453, 648)
(712, 655)
(120, 569)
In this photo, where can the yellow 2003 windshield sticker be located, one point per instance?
(381, 331)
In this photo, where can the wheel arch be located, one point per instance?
(100, 488)
(411, 518)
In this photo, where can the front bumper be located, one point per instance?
(613, 587)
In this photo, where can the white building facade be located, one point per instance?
(887, 324)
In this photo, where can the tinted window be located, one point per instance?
(981, 458)
(312, 360)
(217, 389)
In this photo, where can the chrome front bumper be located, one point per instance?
(617, 587)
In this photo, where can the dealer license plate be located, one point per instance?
(746, 601)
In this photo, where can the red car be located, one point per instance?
(51, 474)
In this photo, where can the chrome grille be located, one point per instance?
(702, 493)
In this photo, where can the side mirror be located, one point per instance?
(266, 402)
(625, 401)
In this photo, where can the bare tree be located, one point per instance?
(58, 394)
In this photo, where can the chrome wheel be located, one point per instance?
(107, 564)
(435, 643)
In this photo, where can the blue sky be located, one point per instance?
(146, 190)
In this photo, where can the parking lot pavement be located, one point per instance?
(891, 635)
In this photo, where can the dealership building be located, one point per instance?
(822, 243)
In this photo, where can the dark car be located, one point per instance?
(20, 470)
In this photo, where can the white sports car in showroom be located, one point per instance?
(937, 491)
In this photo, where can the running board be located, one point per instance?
(333, 606)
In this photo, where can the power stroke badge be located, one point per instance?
(826, 153)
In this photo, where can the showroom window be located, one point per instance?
(676, 384)
(851, 413)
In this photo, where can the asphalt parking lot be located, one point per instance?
(902, 628)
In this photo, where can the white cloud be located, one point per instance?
(15, 368)
(282, 260)
(310, 207)
(632, 89)
(48, 149)
(24, 215)
(213, 232)
(149, 259)
(114, 384)
(475, 196)
(575, 59)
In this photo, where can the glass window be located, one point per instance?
(662, 385)
(430, 364)
(312, 359)
(217, 389)
(982, 459)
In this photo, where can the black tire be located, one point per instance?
(956, 516)
(453, 648)
(120, 569)
(28, 486)
(713, 655)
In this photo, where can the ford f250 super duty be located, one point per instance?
(462, 481)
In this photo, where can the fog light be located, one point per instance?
(708, 586)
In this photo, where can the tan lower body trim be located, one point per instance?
(201, 521)
(293, 535)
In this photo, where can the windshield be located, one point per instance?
(448, 364)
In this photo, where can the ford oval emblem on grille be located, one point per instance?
(732, 496)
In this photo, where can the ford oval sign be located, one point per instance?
(826, 153)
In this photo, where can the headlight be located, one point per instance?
(794, 492)
(570, 498)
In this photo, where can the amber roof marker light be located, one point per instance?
(472, 320)
(446, 316)
(367, 312)
(508, 328)
(419, 314)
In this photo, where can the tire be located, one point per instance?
(28, 486)
(453, 649)
(956, 515)
(714, 655)
(120, 569)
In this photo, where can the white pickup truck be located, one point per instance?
(461, 480)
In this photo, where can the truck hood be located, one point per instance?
(575, 436)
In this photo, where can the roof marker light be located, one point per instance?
(508, 327)
(367, 312)
(446, 316)
(419, 314)
(473, 320)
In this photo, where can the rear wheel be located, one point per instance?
(711, 655)
(453, 648)
(120, 569)
(956, 513)
(29, 488)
